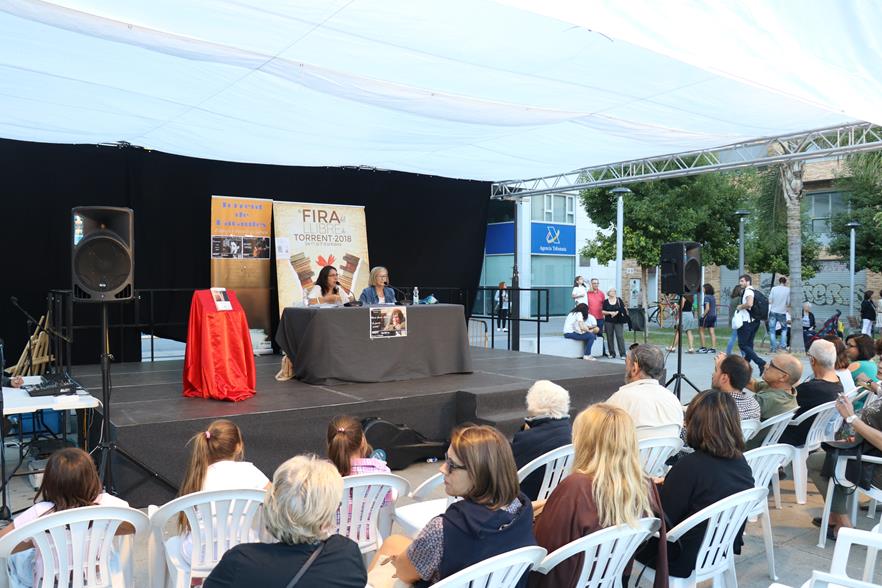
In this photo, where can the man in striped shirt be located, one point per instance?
(731, 375)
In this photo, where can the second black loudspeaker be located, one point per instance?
(681, 267)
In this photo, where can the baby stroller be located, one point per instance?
(830, 327)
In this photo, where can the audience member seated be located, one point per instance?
(216, 456)
(823, 387)
(70, 480)
(493, 517)
(731, 375)
(717, 469)
(581, 326)
(607, 488)
(650, 404)
(299, 513)
(842, 363)
(861, 351)
(867, 427)
(776, 392)
(546, 428)
(350, 452)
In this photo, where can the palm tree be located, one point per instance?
(790, 174)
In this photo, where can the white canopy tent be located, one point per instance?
(462, 88)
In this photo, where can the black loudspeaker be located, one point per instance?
(102, 257)
(681, 268)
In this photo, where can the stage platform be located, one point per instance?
(153, 421)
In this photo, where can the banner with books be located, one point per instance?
(240, 258)
(311, 236)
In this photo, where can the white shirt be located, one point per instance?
(572, 321)
(649, 403)
(231, 475)
(746, 311)
(779, 299)
(316, 293)
(580, 294)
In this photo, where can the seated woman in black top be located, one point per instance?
(299, 512)
(493, 517)
(715, 471)
(546, 428)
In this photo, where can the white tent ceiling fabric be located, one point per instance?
(463, 88)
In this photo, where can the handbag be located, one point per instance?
(306, 565)
(857, 473)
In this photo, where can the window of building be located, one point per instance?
(821, 207)
(554, 208)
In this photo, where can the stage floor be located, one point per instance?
(153, 421)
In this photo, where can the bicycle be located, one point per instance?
(665, 310)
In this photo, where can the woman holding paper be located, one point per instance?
(327, 290)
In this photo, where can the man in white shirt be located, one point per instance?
(779, 303)
(650, 404)
(747, 331)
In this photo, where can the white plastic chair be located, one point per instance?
(772, 428)
(715, 559)
(749, 427)
(219, 520)
(825, 580)
(655, 452)
(557, 463)
(75, 546)
(360, 509)
(606, 552)
(764, 463)
(413, 517)
(501, 571)
(839, 476)
(824, 415)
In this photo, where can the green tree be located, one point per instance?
(766, 246)
(695, 208)
(862, 184)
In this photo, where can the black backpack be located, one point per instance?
(760, 309)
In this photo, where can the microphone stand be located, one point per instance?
(5, 513)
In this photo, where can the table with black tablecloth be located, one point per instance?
(329, 345)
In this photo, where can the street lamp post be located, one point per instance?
(852, 226)
(620, 227)
(741, 214)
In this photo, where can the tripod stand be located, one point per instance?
(679, 377)
(107, 447)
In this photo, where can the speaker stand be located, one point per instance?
(107, 447)
(680, 377)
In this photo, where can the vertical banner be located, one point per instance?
(310, 236)
(240, 258)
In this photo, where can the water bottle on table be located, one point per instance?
(416, 295)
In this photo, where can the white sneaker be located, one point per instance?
(589, 357)
(505, 330)
(498, 329)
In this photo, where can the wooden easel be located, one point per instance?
(39, 345)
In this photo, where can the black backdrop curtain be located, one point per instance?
(427, 230)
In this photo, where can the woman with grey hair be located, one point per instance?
(299, 512)
(546, 427)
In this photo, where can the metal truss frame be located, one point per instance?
(817, 144)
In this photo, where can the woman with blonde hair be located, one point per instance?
(607, 487)
(493, 516)
(299, 513)
(378, 291)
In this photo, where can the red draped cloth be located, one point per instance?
(219, 362)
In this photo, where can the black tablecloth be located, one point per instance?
(328, 345)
